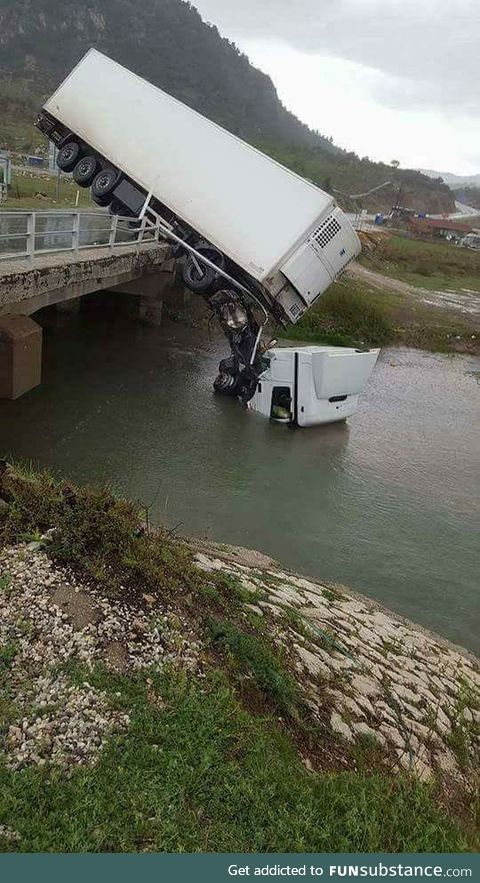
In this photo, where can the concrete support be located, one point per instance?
(72, 306)
(20, 355)
(151, 292)
(150, 310)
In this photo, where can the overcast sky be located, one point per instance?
(390, 79)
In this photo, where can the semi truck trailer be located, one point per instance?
(255, 239)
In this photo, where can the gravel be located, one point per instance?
(52, 720)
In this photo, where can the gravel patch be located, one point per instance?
(48, 619)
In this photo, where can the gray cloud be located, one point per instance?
(429, 49)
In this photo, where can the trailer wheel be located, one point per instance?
(104, 184)
(117, 207)
(201, 280)
(85, 171)
(68, 156)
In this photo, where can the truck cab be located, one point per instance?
(311, 385)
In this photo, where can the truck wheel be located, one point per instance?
(247, 384)
(85, 171)
(104, 184)
(225, 384)
(118, 208)
(68, 156)
(200, 282)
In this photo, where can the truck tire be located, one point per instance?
(85, 171)
(225, 384)
(104, 184)
(117, 207)
(246, 384)
(69, 156)
(200, 283)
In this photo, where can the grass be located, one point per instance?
(100, 535)
(206, 764)
(345, 316)
(437, 266)
(201, 774)
(33, 191)
(353, 313)
(254, 658)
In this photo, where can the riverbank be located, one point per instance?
(204, 697)
(367, 308)
(402, 292)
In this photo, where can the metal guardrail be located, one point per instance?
(28, 235)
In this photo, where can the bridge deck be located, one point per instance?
(61, 276)
(14, 266)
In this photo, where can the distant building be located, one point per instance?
(452, 231)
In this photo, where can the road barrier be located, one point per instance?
(29, 235)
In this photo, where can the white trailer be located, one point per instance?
(253, 233)
(283, 231)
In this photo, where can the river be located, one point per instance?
(388, 504)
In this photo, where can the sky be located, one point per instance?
(389, 79)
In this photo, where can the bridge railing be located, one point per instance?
(28, 235)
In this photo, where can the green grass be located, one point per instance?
(354, 313)
(34, 191)
(201, 774)
(102, 536)
(252, 656)
(345, 316)
(437, 266)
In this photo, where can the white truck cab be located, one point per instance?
(311, 385)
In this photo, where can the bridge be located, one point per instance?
(57, 257)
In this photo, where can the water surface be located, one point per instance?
(388, 504)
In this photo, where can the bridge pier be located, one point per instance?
(20, 355)
(151, 291)
(144, 269)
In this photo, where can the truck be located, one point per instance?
(256, 241)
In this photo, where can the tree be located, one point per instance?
(394, 163)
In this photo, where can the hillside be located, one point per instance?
(454, 181)
(469, 195)
(167, 42)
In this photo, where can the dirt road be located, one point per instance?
(464, 301)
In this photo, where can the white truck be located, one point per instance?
(256, 239)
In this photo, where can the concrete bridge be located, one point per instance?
(49, 258)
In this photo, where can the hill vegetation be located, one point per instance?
(167, 42)
(469, 195)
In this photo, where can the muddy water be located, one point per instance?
(388, 504)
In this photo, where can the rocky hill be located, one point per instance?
(167, 42)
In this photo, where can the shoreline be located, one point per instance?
(107, 623)
(240, 554)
